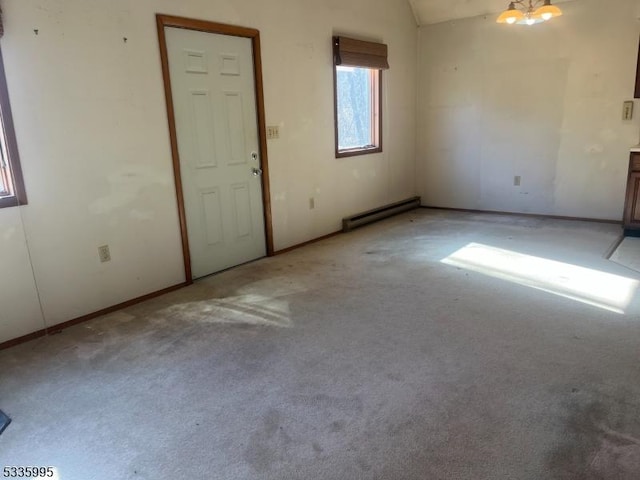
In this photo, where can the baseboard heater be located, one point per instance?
(379, 213)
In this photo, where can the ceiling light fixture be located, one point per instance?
(528, 12)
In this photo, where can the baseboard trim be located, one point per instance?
(308, 242)
(532, 215)
(23, 339)
(105, 311)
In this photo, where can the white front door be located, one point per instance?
(214, 101)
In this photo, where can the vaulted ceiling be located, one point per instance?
(435, 11)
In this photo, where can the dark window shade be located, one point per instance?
(357, 53)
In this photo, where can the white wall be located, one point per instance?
(19, 307)
(542, 102)
(92, 133)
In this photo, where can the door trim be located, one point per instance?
(163, 21)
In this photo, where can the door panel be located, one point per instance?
(205, 154)
(242, 210)
(235, 125)
(212, 211)
(212, 83)
(195, 61)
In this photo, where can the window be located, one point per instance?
(358, 93)
(12, 191)
(358, 96)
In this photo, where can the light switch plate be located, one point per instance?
(273, 132)
(627, 110)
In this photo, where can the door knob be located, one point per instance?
(256, 172)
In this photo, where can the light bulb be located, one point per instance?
(531, 21)
(548, 11)
(511, 15)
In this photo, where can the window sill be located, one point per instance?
(9, 201)
(357, 151)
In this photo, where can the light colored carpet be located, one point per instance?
(360, 357)
(628, 253)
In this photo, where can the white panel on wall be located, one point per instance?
(19, 308)
(525, 107)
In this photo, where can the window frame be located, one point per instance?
(351, 52)
(376, 115)
(10, 168)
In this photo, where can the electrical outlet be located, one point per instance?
(312, 203)
(104, 253)
(273, 132)
(516, 180)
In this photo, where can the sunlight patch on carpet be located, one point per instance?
(241, 309)
(263, 302)
(593, 287)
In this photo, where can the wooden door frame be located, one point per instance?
(163, 21)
